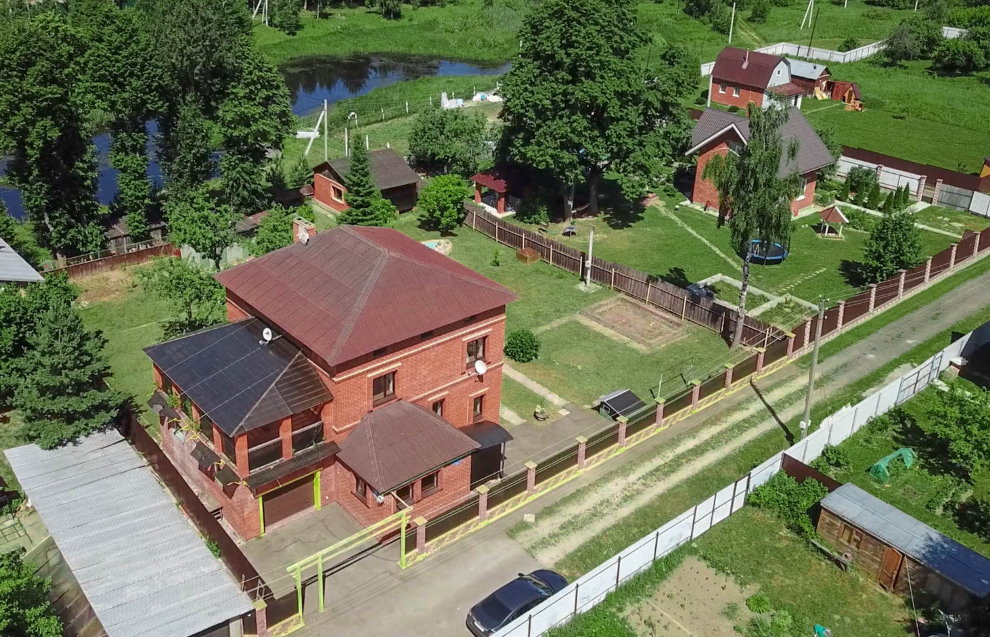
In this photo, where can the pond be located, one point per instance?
(310, 80)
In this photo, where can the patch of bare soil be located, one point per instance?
(696, 600)
(105, 286)
(635, 321)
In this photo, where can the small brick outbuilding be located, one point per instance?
(395, 179)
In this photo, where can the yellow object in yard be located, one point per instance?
(820, 94)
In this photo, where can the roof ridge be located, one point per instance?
(369, 285)
(463, 276)
(272, 384)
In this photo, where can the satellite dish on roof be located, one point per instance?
(266, 336)
(480, 367)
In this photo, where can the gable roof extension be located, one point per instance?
(352, 290)
(236, 381)
(388, 168)
(138, 560)
(399, 442)
(832, 214)
(13, 267)
(806, 70)
(812, 154)
(745, 67)
(893, 527)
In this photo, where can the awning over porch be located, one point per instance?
(284, 468)
(395, 444)
(487, 434)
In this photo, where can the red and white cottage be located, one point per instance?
(718, 133)
(741, 77)
(349, 372)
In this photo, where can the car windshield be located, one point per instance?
(539, 584)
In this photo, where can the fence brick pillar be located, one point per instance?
(582, 459)
(695, 393)
(790, 344)
(873, 299)
(807, 333)
(530, 476)
(761, 354)
(921, 187)
(937, 191)
(420, 523)
(261, 617)
(623, 424)
(900, 282)
(728, 375)
(928, 269)
(879, 170)
(660, 404)
(976, 244)
(952, 255)
(482, 502)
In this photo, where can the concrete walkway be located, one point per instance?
(533, 386)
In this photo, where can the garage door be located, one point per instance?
(288, 500)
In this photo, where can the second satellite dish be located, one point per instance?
(266, 335)
(480, 367)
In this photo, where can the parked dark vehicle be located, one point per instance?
(512, 600)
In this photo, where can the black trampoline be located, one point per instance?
(767, 253)
(620, 403)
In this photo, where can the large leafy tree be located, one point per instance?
(120, 78)
(25, 610)
(448, 140)
(63, 392)
(194, 296)
(367, 206)
(195, 220)
(441, 202)
(284, 15)
(254, 118)
(958, 423)
(753, 195)
(42, 128)
(580, 101)
(275, 229)
(894, 243)
(18, 236)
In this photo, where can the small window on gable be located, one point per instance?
(722, 87)
(735, 91)
(337, 193)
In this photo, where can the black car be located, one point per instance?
(512, 600)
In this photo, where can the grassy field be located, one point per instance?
(951, 220)
(912, 113)
(519, 399)
(858, 20)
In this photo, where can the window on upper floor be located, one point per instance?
(437, 407)
(360, 488)
(337, 193)
(228, 449)
(264, 454)
(722, 87)
(477, 408)
(206, 428)
(308, 436)
(383, 388)
(476, 350)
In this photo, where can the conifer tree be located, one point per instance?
(367, 206)
(63, 393)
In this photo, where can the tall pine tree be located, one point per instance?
(367, 206)
(63, 393)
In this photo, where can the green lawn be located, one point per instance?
(912, 113)
(956, 221)
(867, 23)
(520, 399)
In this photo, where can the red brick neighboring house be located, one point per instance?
(741, 77)
(397, 181)
(718, 133)
(348, 374)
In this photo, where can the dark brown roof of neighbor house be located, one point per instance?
(787, 90)
(389, 169)
(399, 442)
(812, 154)
(352, 290)
(236, 380)
(741, 66)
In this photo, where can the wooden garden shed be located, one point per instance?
(902, 554)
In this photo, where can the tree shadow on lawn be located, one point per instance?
(676, 276)
(852, 272)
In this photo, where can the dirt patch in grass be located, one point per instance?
(635, 321)
(105, 286)
(694, 600)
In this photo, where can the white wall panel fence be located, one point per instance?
(980, 204)
(889, 178)
(590, 589)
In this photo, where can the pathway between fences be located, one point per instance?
(590, 589)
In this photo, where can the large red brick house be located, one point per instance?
(741, 77)
(395, 179)
(718, 133)
(348, 373)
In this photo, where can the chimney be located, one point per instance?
(746, 59)
(302, 230)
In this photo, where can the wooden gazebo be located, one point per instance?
(832, 216)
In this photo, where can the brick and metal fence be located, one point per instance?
(104, 260)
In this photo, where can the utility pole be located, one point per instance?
(732, 22)
(346, 150)
(326, 136)
(814, 24)
(806, 421)
(591, 246)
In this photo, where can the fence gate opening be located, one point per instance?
(395, 522)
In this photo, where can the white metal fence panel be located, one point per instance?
(741, 490)
(980, 204)
(703, 517)
(675, 533)
(636, 558)
(889, 178)
(953, 197)
(952, 32)
(764, 472)
(815, 444)
(887, 397)
(842, 428)
(555, 611)
(723, 503)
(595, 585)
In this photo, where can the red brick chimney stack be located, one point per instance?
(302, 230)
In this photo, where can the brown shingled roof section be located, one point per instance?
(756, 74)
(352, 290)
(388, 168)
(399, 442)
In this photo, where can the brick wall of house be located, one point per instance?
(746, 95)
(797, 205)
(323, 192)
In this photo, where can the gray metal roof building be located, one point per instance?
(144, 569)
(890, 525)
(13, 268)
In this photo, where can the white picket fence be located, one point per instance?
(590, 589)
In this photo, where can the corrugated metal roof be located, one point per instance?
(812, 154)
(13, 268)
(144, 569)
(806, 70)
(240, 383)
(945, 556)
(749, 68)
(396, 443)
(388, 168)
(352, 290)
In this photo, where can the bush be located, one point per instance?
(836, 457)
(760, 11)
(534, 209)
(441, 202)
(759, 603)
(790, 500)
(849, 44)
(522, 346)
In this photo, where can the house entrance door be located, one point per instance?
(890, 564)
(287, 500)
